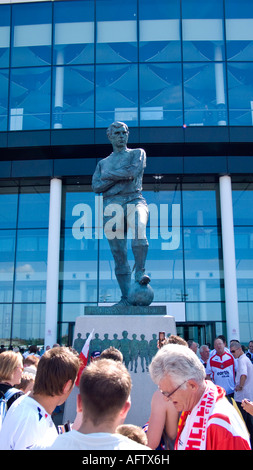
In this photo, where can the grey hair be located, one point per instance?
(177, 361)
(235, 344)
(116, 125)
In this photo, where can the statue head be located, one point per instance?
(116, 125)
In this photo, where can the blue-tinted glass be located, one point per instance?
(160, 95)
(8, 208)
(159, 26)
(31, 265)
(203, 275)
(206, 311)
(4, 35)
(7, 257)
(161, 203)
(240, 92)
(33, 207)
(116, 94)
(205, 94)
(73, 32)
(239, 26)
(244, 259)
(79, 204)
(116, 31)
(246, 321)
(200, 205)
(73, 97)
(235, 9)
(4, 84)
(29, 323)
(30, 98)
(242, 195)
(78, 272)
(5, 323)
(31, 34)
(203, 30)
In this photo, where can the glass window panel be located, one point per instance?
(31, 265)
(78, 270)
(73, 32)
(28, 324)
(205, 94)
(203, 275)
(116, 95)
(30, 90)
(8, 207)
(78, 203)
(5, 323)
(33, 207)
(244, 259)
(161, 203)
(116, 31)
(203, 30)
(31, 34)
(239, 24)
(246, 321)
(242, 194)
(73, 97)
(240, 94)
(160, 95)
(7, 258)
(4, 35)
(200, 204)
(159, 30)
(4, 88)
(210, 311)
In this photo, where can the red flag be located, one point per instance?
(83, 356)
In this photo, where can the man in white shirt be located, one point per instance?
(28, 424)
(104, 400)
(221, 368)
(243, 383)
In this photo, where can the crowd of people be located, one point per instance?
(203, 401)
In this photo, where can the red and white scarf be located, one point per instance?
(192, 426)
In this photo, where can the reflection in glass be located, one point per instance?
(116, 95)
(5, 323)
(33, 207)
(77, 202)
(200, 204)
(242, 195)
(116, 31)
(73, 32)
(205, 94)
(4, 35)
(7, 258)
(78, 268)
(4, 84)
(161, 95)
(8, 207)
(203, 274)
(73, 97)
(31, 34)
(29, 323)
(31, 266)
(244, 259)
(246, 321)
(159, 27)
(240, 93)
(202, 30)
(239, 24)
(210, 311)
(30, 90)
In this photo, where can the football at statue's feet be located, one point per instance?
(140, 294)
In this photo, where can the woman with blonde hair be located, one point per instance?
(11, 368)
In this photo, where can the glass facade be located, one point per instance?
(82, 64)
(184, 259)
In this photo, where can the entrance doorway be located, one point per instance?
(201, 332)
